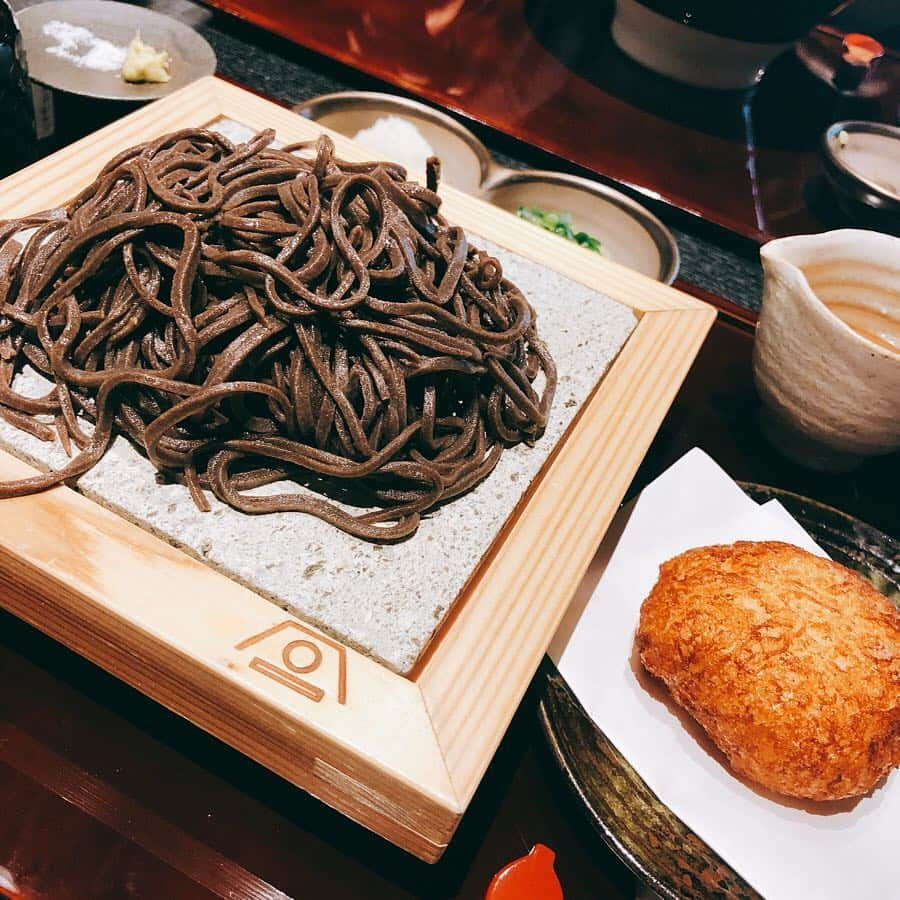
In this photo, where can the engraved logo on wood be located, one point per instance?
(301, 654)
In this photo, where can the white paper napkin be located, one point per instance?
(784, 849)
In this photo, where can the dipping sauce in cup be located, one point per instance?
(826, 359)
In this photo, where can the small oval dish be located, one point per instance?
(862, 164)
(465, 161)
(628, 233)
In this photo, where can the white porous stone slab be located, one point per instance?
(385, 600)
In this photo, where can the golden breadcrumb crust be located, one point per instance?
(790, 662)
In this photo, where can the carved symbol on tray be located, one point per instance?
(299, 656)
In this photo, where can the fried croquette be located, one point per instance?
(790, 662)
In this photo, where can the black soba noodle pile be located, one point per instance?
(249, 316)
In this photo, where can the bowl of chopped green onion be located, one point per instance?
(559, 223)
(596, 217)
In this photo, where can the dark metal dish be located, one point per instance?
(657, 846)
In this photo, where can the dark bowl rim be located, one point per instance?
(842, 171)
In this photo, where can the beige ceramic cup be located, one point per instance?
(830, 392)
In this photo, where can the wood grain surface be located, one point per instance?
(401, 756)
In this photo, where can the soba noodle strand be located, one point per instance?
(250, 316)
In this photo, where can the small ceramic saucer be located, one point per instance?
(192, 57)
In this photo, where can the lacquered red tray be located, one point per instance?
(549, 74)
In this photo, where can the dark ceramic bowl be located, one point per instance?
(858, 192)
(654, 843)
(712, 43)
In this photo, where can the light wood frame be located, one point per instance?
(400, 755)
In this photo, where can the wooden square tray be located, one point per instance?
(401, 755)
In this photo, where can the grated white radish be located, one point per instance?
(399, 140)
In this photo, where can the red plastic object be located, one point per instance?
(861, 50)
(530, 877)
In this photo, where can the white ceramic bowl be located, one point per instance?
(465, 161)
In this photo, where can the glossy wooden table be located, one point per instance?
(106, 795)
(547, 72)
